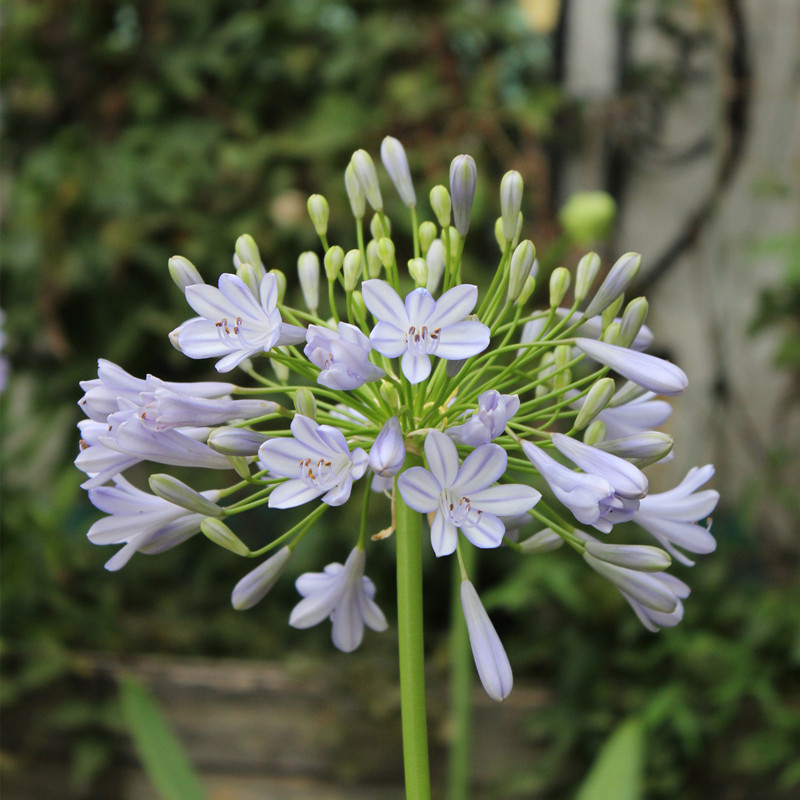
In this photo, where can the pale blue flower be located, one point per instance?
(488, 422)
(672, 516)
(490, 657)
(342, 356)
(234, 323)
(423, 326)
(462, 495)
(388, 452)
(343, 593)
(652, 618)
(255, 585)
(317, 462)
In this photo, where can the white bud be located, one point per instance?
(352, 269)
(183, 272)
(355, 194)
(319, 212)
(232, 441)
(280, 282)
(247, 250)
(380, 226)
(418, 270)
(177, 492)
(259, 581)
(596, 400)
(642, 557)
(427, 233)
(374, 264)
(368, 178)
(463, 179)
(308, 273)
(436, 260)
(394, 159)
(633, 318)
(333, 261)
(510, 203)
(440, 203)
(559, 285)
(585, 274)
(522, 261)
(387, 454)
(386, 252)
(305, 403)
(616, 282)
(219, 533)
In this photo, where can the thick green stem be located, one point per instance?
(461, 671)
(411, 653)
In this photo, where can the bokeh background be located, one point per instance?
(134, 131)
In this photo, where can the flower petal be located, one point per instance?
(481, 468)
(384, 303)
(462, 340)
(444, 535)
(487, 532)
(293, 493)
(419, 489)
(505, 500)
(419, 306)
(442, 457)
(388, 340)
(416, 366)
(453, 306)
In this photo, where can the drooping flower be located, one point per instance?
(463, 496)
(423, 326)
(488, 422)
(343, 593)
(342, 356)
(233, 322)
(142, 521)
(490, 657)
(317, 462)
(672, 516)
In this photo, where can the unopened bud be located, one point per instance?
(596, 400)
(436, 260)
(595, 433)
(280, 283)
(527, 289)
(387, 454)
(219, 533)
(368, 178)
(177, 492)
(232, 441)
(305, 403)
(559, 285)
(251, 278)
(633, 318)
(394, 159)
(390, 394)
(498, 234)
(616, 282)
(418, 270)
(440, 203)
(639, 557)
(521, 264)
(563, 375)
(183, 272)
(386, 252)
(610, 314)
(333, 261)
(352, 270)
(585, 275)
(374, 264)
(510, 203)
(611, 333)
(360, 308)
(463, 179)
(281, 370)
(380, 226)
(319, 212)
(642, 448)
(308, 273)
(355, 194)
(247, 250)
(255, 585)
(427, 233)
(541, 542)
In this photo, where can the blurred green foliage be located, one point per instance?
(138, 130)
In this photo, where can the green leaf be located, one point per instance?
(161, 753)
(617, 770)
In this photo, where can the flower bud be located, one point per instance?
(498, 234)
(418, 270)
(360, 308)
(219, 533)
(380, 226)
(394, 159)
(183, 272)
(642, 448)
(374, 265)
(386, 252)
(247, 250)
(633, 318)
(454, 243)
(252, 279)
(463, 179)
(436, 260)
(308, 273)
(427, 233)
(333, 261)
(280, 282)
(611, 333)
(440, 203)
(642, 557)
(355, 194)
(352, 269)
(585, 275)
(541, 542)
(559, 284)
(319, 212)
(387, 454)
(596, 400)
(627, 393)
(594, 433)
(510, 203)
(563, 375)
(521, 264)
(281, 370)
(305, 403)
(527, 289)
(368, 178)
(390, 394)
(177, 492)
(588, 216)
(490, 658)
(615, 283)
(232, 441)
(255, 585)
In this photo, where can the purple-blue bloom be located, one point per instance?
(342, 356)
(422, 327)
(488, 422)
(344, 594)
(317, 462)
(462, 495)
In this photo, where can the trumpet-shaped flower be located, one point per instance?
(422, 327)
(488, 422)
(317, 462)
(672, 516)
(343, 593)
(233, 322)
(462, 496)
(342, 356)
(490, 657)
(254, 586)
(143, 522)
